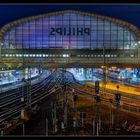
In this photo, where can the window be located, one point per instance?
(36, 33)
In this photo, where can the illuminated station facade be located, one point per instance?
(70, 39)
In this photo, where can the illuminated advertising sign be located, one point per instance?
(70, 31)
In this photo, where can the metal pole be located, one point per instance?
(46, 127)
(73, 102)
(112, 119)
(104, 66)
(62, 126)
(110, 114)
(65, 103)
(1, 45)
(65, 113)
(93, 123)
(73, 98)
(104, 69)
(1, 87)
(97, 130)
(97, 117)
(55, 118)
(23, 128)
(74, 124)
(99, 122)
(1, 132)
(82, 119)
(30, 87)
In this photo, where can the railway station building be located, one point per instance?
(69, 38)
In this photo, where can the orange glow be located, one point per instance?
(113, 67)
(128, 68)
(53, 70)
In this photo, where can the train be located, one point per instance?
(114, 74)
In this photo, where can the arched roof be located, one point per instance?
(30, 18)
(123, 25)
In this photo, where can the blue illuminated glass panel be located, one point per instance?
(69, 30)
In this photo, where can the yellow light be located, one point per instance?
(103, 66)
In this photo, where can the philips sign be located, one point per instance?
(70, 31)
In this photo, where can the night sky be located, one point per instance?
(128, 12)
